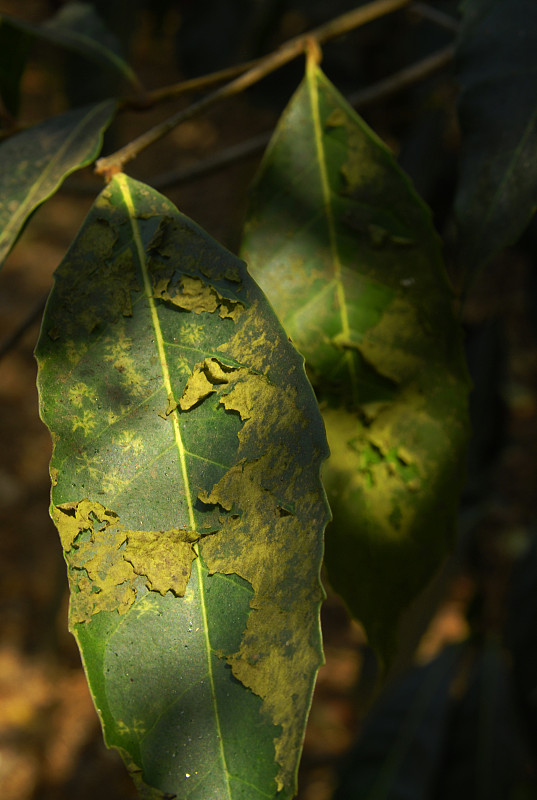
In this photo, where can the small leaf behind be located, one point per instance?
(497, 191)
(34, 163)
(77, 27)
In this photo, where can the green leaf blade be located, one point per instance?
(170, 390)
(346, 252)
(496, 195)
(34, 163)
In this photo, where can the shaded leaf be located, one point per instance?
(484, 756)
(34, 163)
(77, 27)
(497, 191)
(444, 730)
(401, 746)
(187, 496)
(347, 254)
(14, 46)
(521, 637)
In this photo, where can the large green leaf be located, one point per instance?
(34, 163)
(187, 495)
(347, 254)
(78, 28)
(497, 70)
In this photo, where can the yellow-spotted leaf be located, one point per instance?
(187, 496)
(346, 252)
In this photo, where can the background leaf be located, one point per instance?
(187, 496)
(401, 746)
(347, 254)
(76, 27)
(14, 46)
(497, 191)
(34, 163)
(444, 730)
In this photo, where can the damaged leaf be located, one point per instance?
(34, 163)
(346, 252)
(186, 491)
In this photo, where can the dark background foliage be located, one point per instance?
(50, 740)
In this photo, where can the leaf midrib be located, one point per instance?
(148, 290)
(313, 88)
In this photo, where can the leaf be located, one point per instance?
(444, 730)
(497, 191)
(346, 252)
(401, 747)
(186, 491)
(520, 636)
(14, 46)
(34, 163)
(77, 27)
(484, 754)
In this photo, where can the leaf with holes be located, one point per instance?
(346, 252)
(186, 491)
(34, 163)
(497, 191)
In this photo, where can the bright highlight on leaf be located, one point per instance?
(34, 163)
(186, 491)
(346, 252)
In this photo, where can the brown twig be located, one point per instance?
(372, 94)
(190, 86)
(250, 147)
(343, 24)
(435, 15)
(404, 78)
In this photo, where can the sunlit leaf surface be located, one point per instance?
(187, 496)
(346, 252)
(497, 71)
(34, 163)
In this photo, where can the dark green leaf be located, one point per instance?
(34, 163)
(347, 254)
(401, 747)
(77, 27)
(442, 731)
(187, 495)
(14, 46)
(497, 70)
(484, 756)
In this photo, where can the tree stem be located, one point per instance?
(346, 22)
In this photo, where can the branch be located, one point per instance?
(435, 15)
(372, 94)
(346, 22)
(190, 86)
